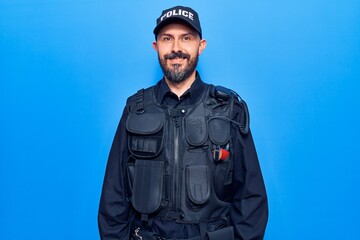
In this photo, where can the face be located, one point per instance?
(178, 47)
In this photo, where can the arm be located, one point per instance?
(114, 213)
(249, 212)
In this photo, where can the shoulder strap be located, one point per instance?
(137, 101)
(140, 102)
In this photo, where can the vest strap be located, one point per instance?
(140, 102)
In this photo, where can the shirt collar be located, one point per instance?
(163, 91)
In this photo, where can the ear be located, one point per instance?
(202, 46)
(155, 46)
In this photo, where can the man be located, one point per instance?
(183, 163)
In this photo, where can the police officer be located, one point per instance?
(183, 164)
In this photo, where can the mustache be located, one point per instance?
(174, 55)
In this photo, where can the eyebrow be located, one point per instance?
(170, 35)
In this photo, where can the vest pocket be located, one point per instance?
(223, 181)
(196, 130)
(219, 131)
(148, 185)
(145, 134)
(198, 185)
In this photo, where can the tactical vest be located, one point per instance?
(180, 166)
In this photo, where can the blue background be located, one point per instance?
(67, 67)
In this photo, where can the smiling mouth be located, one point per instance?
(177, 62)
(178, 55)
(177, 59)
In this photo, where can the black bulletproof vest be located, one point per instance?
(173, 171)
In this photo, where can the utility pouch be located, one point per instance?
(223, 181)
(196, 130)
(219, 134)
(145, 134)
(223, 233)
(219, 131)
(148, 185)
(198, 185)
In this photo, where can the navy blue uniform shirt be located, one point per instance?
(249, 211)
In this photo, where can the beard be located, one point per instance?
(175, 73)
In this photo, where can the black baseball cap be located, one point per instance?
(178, 14)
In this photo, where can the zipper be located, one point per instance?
(177, 180)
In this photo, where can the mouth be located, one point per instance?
(178, 60)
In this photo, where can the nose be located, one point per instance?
(176, 46)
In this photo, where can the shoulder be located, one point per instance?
(140, 96)
(136, 101)
(144, 91)
(225, 94)
(238, 106)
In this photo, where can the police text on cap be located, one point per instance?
(178, 12)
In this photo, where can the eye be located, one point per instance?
(186, 38)
(167, 39)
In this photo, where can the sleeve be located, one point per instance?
(114, 209)
(249, 212)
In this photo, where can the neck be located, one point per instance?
(180, 88)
